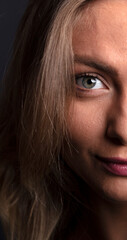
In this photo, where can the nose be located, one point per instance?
(117, 121)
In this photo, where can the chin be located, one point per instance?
(115, 191)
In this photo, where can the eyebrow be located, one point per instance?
(94, 63)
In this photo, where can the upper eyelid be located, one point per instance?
(89, 74)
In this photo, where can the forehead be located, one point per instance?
(102, 29)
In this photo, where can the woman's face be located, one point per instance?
(97, 119)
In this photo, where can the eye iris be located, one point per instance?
(89, 82)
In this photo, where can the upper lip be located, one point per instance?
(117, 160)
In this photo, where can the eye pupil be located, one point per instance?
(89, 82)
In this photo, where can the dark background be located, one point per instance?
(10, 14)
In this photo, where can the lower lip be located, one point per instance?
(115, 168)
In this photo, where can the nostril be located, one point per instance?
(117, 139)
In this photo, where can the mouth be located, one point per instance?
(114, 165)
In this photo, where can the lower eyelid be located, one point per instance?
(80, 93)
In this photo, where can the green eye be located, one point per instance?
(89, 82)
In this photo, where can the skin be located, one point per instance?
(97, 119)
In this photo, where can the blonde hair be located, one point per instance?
(33, 124)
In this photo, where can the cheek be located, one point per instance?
(85, 123)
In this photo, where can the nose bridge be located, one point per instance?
(117, 124)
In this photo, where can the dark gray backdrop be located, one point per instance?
(10, 14)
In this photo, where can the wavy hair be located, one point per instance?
(36, 186)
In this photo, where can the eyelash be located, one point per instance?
(93, 76)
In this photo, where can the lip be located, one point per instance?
(117, 160)
(117, 166)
